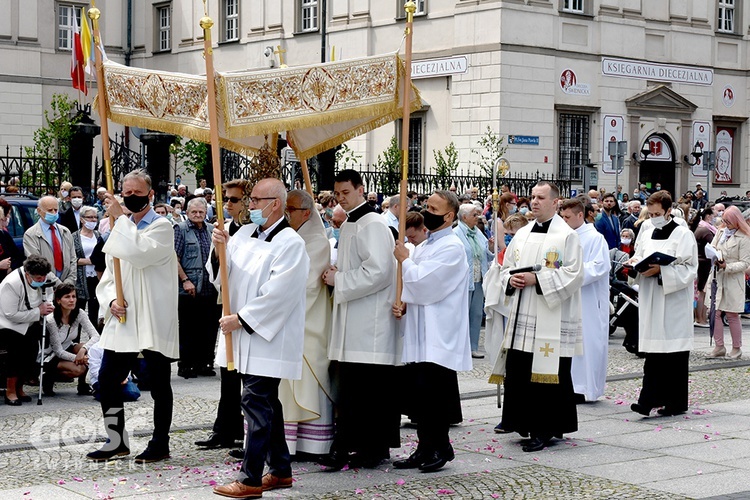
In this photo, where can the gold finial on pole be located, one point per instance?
(410, 7)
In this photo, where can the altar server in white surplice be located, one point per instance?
(435, 324)
(590, 369)
(307, 403)
(544, 327)
(267, 266)
(364, 337)
(665, 315)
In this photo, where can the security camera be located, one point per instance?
(268, 52)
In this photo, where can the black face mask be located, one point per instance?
(433, 221)
(371, 202)
(135, 203)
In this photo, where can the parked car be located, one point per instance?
(23, 215)
(741, 203)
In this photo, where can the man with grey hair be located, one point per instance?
(144, 244)
(391, 214)
(53, 241)
(307, 403)
(634, 211)
(197, 307)
(372, 200)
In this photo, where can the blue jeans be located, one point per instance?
(476, 309)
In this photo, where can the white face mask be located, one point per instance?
(64, 194)
(625, 241)
(659, 222)
(76, 202)
(90, 225)
(176, 211)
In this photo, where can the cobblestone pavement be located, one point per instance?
(615, 453)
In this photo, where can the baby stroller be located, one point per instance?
(624, 302)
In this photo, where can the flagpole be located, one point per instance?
(207, 23)
(410, 7)
(94, 15)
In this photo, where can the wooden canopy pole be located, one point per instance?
(305, 170)
(213, 120)
(94, 15)
(410, 8)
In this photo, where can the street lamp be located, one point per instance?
(697, 153)
(645, 151)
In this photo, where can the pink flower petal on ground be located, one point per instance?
(400, 482)
(61, 481)
(495, 495)
(658, 428)
(445, 492)
(78, 479)
(706, 437)
(345, 467)
(358, 491)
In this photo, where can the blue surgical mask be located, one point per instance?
(336, 232)
(508, 237)
(256, 216)
(37, 284)
(50, 218)
(513, 210)
(524, 210)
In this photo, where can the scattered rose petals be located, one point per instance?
(400, 482)
(358, 491)
(445, 492)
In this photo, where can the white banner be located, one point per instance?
(652, 71)
(613, 130)
(701, 135)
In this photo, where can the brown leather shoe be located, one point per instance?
(236, 489)
(271, 482)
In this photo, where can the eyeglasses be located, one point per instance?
(256, 200)
(234, 199)
(294, 209)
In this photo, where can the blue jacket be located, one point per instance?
(609, 227)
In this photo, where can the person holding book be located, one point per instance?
(665, 265)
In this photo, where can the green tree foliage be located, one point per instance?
(192, 154)
(491, 148)
(346, 157)
(446, 163)
(390, 164)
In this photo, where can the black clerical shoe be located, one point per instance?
(640, 409)
(107, 453)
(334, 461)
(152, 454)
(216, 441)
(413, 461)
(537, 443)
(670, 412)
(367, 460)
(206, 371)
(579, 398)
(237, 453)
(437, 460)
(499, 429)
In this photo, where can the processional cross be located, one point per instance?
(280, 53)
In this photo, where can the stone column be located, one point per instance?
(157, 161)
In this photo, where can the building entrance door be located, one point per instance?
(659, 166)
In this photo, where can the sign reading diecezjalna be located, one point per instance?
(429, 68)
(659, 72)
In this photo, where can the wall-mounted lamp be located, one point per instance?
(645, 151)
(697, 153)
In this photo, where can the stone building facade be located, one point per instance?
(562, 77)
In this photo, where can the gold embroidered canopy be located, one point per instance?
(319, 106)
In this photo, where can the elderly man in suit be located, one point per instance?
(52, 241)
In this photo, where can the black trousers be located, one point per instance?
(369, 417)
(436, 403)
(535, 408)
(228, 423)
(22, 351)
(199, 325)
(665, 380)
(265, 430)
(115, 367)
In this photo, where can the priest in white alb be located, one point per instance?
(589, 370)
(541, 276)
(307, 402)
(267, 267)
(435, 324)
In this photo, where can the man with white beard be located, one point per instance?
(589, 370)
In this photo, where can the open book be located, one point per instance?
(659, 258)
